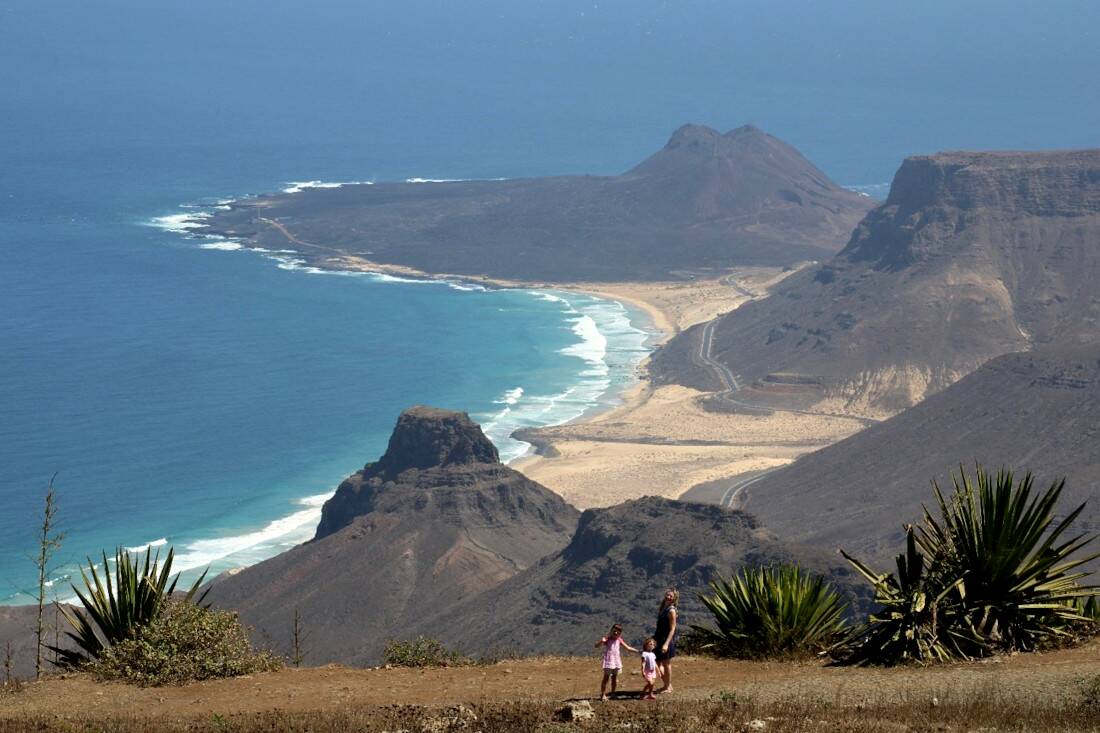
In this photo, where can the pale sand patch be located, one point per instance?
(675, 306)
(661, 442)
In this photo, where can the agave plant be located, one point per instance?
(767, 612)
(116, 610)
(920, 618)
(993, 571)
(1020, 573)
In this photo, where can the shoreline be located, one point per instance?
(628, 443)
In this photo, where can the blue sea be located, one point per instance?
(191, 394)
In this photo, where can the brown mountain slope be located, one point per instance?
(705, 201)
(1033, 411)
(615, 569)
(437, 519)
(972, 255)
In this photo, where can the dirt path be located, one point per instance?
(1039, 678)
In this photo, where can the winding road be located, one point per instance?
(731, 386)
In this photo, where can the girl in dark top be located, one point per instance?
(666, 637)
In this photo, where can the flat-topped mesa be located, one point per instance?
(932, 196)
(427, 437)
(973, 255)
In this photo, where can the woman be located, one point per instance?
(665, 637)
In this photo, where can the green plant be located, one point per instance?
(421, 652)
(993, 571)
(920, 616)
(185, 643)
(115, 611)
(770, 612)
(1018, 570)
(49, 540)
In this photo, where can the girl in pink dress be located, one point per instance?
(612, 658)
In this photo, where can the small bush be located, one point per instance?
(186, 643)
(421, 652)
(767, 613)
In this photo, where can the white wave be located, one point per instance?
(872, 190)
(299, 186)
(222, 245)
(180, 223)
(610, 345)
(450, 180)
(593, 344)
(251, 546)
(511, 397)
(155, 543)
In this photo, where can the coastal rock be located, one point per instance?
(435, 521)
(440, 442)
(705, 201)
(973, 255)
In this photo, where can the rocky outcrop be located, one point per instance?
(615, 569)
(448, 448)
(706, 201)
(435, 521)
(973, 255)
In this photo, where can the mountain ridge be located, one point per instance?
(705, 202)
(971, 256)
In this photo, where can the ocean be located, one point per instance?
(187, 393)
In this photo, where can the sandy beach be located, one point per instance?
(661, 441)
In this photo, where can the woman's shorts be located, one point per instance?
(663, 656)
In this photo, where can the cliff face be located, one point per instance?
(616, 568)
(428, 448)
(972, 255)
(706, 201)
(436, 520)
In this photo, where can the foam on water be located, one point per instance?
(222, 245)
(180, 223)
(142, 548)
(251, 546)
(299, 186)
(878, 191)
(611, 347)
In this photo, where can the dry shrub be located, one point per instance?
(186, 643)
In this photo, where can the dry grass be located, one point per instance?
(722, 713)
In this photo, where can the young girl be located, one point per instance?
(649, 668)
(612, 659)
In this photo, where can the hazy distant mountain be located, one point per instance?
(1034, 411)
(972, 255)
(705, 201)
(615, 570)
(437, 519)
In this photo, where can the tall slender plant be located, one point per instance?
(116, 610)
(49, 540)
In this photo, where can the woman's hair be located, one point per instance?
(675, 598)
